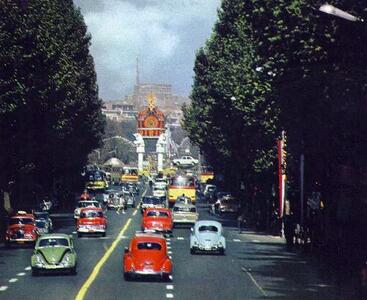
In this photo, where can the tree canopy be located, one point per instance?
(50, 113)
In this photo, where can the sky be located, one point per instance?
(164, 34)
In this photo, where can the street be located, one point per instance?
(255, 266)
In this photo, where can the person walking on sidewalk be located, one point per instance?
(241, 221)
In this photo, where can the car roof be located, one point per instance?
(18, 216)
(208, 222)
(158, 209)
(91, 208)
(147, 237)
(54, 235)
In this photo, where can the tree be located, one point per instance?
(50, 113)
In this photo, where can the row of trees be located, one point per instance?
(50, 113)
(283, 65)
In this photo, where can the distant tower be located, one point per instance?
(137, 81)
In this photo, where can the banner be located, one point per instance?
(282, 173)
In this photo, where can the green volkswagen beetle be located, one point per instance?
(54, 251)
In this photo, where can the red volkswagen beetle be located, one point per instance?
(158, 220)
(91, 221)
(21, 229)
(147, 256)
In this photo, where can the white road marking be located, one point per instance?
(255, 282)
(169, 287)
(170, 296)
(180, 238)
(74, 232)
(169, 247)
(13, 280)
(27, 268)
(134, 213)
(255, 241)
(170, 257)
(169, 252)
(236, 240)
(168, 239)
(168, 243)
(21, 274)
(3, 288)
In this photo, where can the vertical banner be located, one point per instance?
(281, 173)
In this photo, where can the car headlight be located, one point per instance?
(67, 259)
(39, 260)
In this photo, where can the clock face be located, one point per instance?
(151, 122)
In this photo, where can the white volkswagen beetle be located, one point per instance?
(207, 236)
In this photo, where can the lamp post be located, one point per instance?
(337, 12)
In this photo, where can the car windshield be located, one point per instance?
(211, 188)
(152, 200)
(182, 181)
(21, 221)
(86, 204)
(149, 246)
(41, 223)
(91, 214)
(210, 228)
(53, 242)
(41, 215)
(157, 214)
(184, 209)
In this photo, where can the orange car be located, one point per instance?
(22, 229)
(157, 220)
(91, 220)
(147, 256)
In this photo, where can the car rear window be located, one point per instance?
(53, 242)
(152, 200)
(211, 228)
(149, 246)
(157, 214)
(184, 209)
(23, 221)
(91, 214)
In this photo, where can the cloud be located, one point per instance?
(164, 34)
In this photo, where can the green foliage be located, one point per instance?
(50, 114)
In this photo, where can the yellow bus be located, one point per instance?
(181, 185)
(129, 174)
(206, 174)
(96, 180)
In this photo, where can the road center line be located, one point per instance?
(3, 288)
(13, 280)
(134, 213)
(255, 282)
(84, 289)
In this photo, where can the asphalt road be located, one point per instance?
(255, 267)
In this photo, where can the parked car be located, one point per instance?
(157, 220)
(152, 202)
(83, 204)
(43, 215)
(185, 161)
(184, 213)
(21, 229)
(54, 252)
(147, 256)
(207, 236)
(92, 221)
(226, 204)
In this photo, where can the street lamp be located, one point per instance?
(332, 10)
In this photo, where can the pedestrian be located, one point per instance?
(240, 221)
(120, 204)
(289, 230)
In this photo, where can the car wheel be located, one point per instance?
(127, 276)
(7, 245)
(73, 271)
(79, 234)
(103, 234)
(222, 252)
(35, 272)
(192, 251)
(166, 278)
